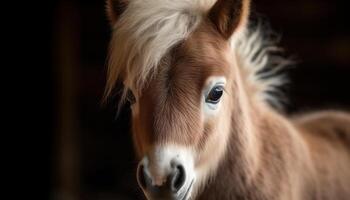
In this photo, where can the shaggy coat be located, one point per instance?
(166, 53)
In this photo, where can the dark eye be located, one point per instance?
(215, 95)
(130, 97)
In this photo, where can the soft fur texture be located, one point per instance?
(147, 30)
(165, 51)
(145, 33)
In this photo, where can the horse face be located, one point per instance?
(181, 117)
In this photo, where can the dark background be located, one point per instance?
(89, 150)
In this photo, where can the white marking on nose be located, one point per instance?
(159, 163)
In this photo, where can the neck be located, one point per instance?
(260, 157)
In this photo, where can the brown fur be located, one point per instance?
(254, 152)
(305, 158)
(172, 99)
(227, 16)
(312, 163)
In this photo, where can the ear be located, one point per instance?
(114, 8)
(229, 15)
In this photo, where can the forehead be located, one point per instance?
(204, 51)
(202, 55)
(187, 67)
(173, 95)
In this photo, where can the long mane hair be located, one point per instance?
(144, 38)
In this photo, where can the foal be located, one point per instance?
(201, 124)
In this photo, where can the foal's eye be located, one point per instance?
(130, 97)
(215, 95)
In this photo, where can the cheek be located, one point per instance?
(215, 134)
(203, 142)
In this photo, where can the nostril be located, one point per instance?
(178, 178)
(174, 182)
(141, 177)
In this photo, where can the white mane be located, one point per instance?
(147, 30)
(259, 56)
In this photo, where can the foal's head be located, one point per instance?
(176, 59)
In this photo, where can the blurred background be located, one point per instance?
(91, 155)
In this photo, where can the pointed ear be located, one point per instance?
(114, 9)
(229, 15)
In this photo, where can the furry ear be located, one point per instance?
(114, 8)
(229, 15)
